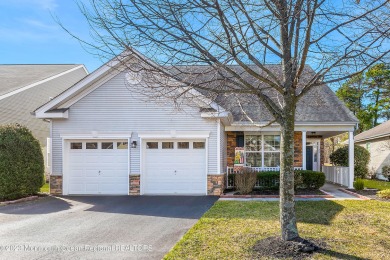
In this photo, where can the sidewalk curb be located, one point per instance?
(354, 194)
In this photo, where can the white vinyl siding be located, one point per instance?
(113, 107)
(379, 154)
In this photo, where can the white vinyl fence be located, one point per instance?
(336, 174)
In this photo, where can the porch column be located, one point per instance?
(351, 162)
(304, 150)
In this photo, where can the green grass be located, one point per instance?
(374, 184)
(352, 229)
(45, 188)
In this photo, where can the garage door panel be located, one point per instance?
(112, 188)
(89, 173)
(91, 156)
(77, 172)
(77, 159)
(91, 188)
(77, 188)
(92, 179)
(114, 174)
(107, 158)
(180, 188)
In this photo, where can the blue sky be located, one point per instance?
(30, 35)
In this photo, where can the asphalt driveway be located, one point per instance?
(99, 227)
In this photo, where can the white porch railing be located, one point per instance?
(230, 170)
(336, 174)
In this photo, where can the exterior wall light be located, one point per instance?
(134, 144)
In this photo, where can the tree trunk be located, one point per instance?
(376, 116)
(287, 205)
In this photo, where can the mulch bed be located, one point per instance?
(275, 247)
(369, 193)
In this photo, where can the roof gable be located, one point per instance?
(99, 77)
(379, 131)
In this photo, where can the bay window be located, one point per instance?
(262, 150)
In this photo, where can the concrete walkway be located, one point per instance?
(332, 189)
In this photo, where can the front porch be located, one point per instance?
(260, 151)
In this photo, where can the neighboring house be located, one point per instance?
(107, 139)
(25, 87)
(377, 142)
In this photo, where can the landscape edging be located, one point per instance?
(355, 194)
(274, 196)
(30, 198)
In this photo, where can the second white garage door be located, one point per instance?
(174, 167)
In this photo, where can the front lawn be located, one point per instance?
(352, 229)
(375, 184)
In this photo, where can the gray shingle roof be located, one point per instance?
(13, 77)
(379, 131)
(17, 108)
(320, 104)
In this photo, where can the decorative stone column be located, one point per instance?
(134, 185)
(55, 183)
(215, 184)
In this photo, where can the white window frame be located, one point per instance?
(262, 152)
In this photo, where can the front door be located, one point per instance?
(309, 158)
(313, 155)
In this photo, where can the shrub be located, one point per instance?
(358, 184)
(362, 158)
(306, 179)
(386, 171)
(269, 179)
(21, 163)
(384, 194)
(245, 181)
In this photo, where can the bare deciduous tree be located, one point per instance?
(231, 43)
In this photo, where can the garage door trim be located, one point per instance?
(66, 139)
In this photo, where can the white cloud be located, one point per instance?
(29, 29)
(42, 4)
(39, 24)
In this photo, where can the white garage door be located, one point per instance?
(174, 167)
(97, 167)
